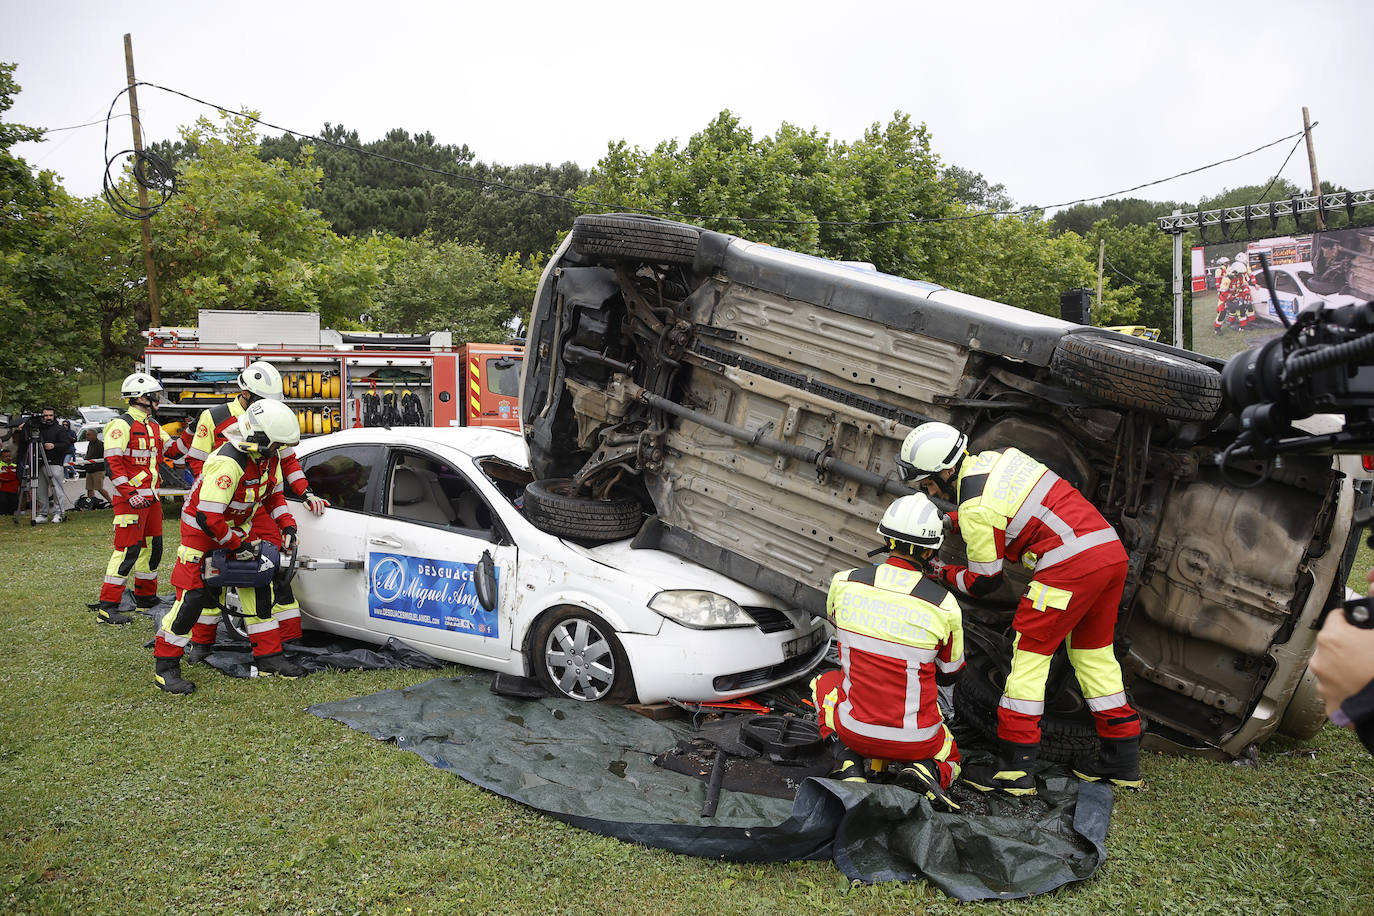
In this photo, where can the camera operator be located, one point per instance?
(55, 442)
(1344, 668)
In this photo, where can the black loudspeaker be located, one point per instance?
(1075, 306)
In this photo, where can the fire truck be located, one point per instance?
(336, 379)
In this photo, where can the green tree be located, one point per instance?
(1125, 211)
(240, 235)
(430, 285)
(884, 198)
(52, 267)
(487, 212)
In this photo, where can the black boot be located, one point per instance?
(278, 664)
(168, 676)
(923, 777)
(1118, 762)
(850, 766)
(1012, 772)
(108, 612)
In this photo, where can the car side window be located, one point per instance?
(1285, 283)
(341, 474)
(426, 489)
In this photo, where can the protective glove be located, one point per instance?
(288, 538)
(936, 567)
(248, 550)
(139, 502)
(316, 504)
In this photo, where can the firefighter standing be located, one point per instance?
(259, 381)
(1012, 507)
(238, 480)
(9, 485)
(900, 634)
(133, 446)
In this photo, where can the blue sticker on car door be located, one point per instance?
(429, 593)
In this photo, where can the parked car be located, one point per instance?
(751, 400)
(425, 541)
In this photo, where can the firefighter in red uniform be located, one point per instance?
(900, 634)
(1012, 507)
(259, 381)
(239, 479)
(133, 446)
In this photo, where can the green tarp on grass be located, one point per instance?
(591, 765)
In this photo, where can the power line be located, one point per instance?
(53, 130)
(604, 205)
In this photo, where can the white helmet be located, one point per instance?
(928, 449)
(264, 426)
(1237, 267)
(139, 385)
(262, 380)
(913, 522)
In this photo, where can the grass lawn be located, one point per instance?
(117, 798)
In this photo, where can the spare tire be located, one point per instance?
(1125, 373)
(1067, 733)
(635, 238)
(552, 506)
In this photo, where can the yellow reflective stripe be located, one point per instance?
(1027, 678)
(1099, 674)
(1043, 597)
(122, 521)
(190, 555)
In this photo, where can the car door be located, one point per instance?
(425, 547)
(331, 578)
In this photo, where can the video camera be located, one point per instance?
(1323, 363)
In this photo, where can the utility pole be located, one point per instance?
(1312, 163)
(1101, 253)
(154, 309)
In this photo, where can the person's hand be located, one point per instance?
(288, 538)
(1344, 661)
(249, 550)
(47, 446)
(139, 502)
(316, 504)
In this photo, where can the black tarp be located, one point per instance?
(591, 765)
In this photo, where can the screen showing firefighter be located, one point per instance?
(1232, 306)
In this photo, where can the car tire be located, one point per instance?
(1065, 736)
(635, 238)
(576, 654)
(551, 506)
(1306, 711)
(1127, 374)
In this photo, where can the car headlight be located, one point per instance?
(700, 610)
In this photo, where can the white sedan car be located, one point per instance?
(426, 541)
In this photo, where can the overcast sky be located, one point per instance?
(1057, 100)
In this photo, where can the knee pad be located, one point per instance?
(130, 558)
(155, 557)
(193, 602)
(282, 593)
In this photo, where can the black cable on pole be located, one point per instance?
(150, 171)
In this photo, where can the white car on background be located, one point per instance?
(426, 541)
(1292, 284)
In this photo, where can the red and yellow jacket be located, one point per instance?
(232, 484)
(133, 444)
(9, 477)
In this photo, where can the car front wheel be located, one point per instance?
(575, 654)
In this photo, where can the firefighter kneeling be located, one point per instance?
(238, 478)
(900, 634)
